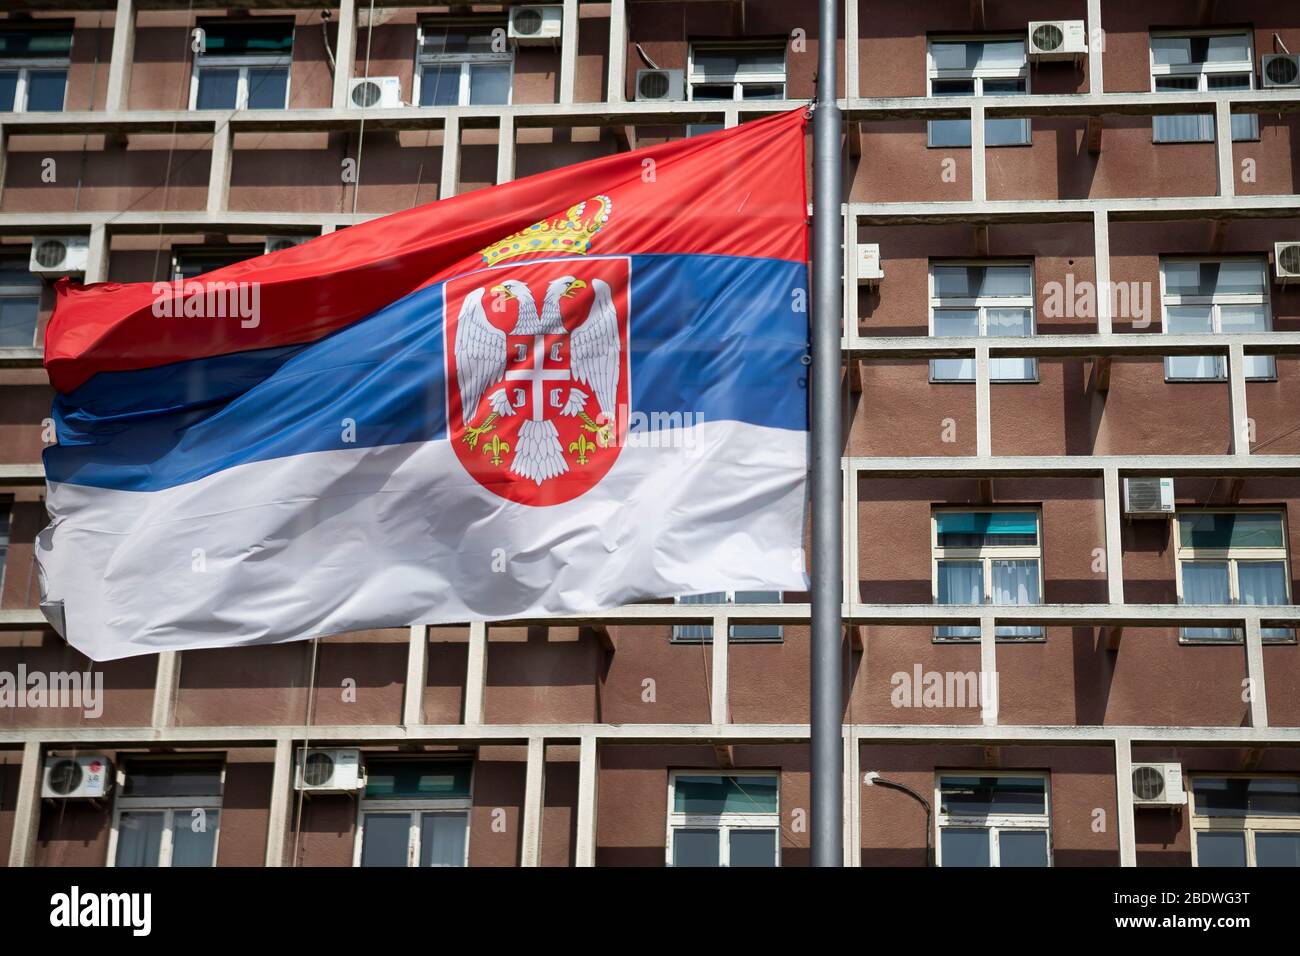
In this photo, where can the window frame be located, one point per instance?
(724, 823)
(985, 555)
(978, 76)
(6, 536)
(417, 807)
(1232, 557)
(770, 78)
(1202, 71)
(31, 290)
(168, 806)
(25, 65)
(728, 600)
(1249, 825)
(981, 305)
(466, 60)
(243, 62)
(997, 822)
(1216, 303)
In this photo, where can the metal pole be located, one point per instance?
(827, 564)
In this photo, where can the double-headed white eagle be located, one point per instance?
(593, 360)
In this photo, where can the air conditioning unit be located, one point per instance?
(659, 86)
(536, 24)
(1286, 262)
(1158, 785)
(375, 92)
(1057, 39)
(335, 770)
(869, 271)
(59, 255)
(87, 777)
(277, 243)
(1280, 70)
(1148, 497)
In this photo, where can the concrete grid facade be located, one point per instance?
(577, 728)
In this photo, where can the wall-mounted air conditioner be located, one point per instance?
(536, 24)
(1148, 497)
(87, 777)
(660, 86)
(869, 271)
(1286, 262)
(1280, 70)
(1057, 39)
(329, 770)
(375, 92)
(1158, 785)
(59, 255)
(276, 243)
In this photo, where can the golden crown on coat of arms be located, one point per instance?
(570, 235)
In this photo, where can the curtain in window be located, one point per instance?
(1190, 320)
(1016, 582)
(1206, 582)
(1011, 322)
(139, 839)
(442, 839)
(1264, 582)
(960, 582)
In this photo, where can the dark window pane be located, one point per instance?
(45, 90)
(1022, 848)
(489, 84)
(273, 38)
(1220, 849)
(459, 38)
(268, 89)
(32, 43)
(440, 85)
(1239, 796)
(964, 846)
(695, 847)
(8, 90)
(752, 848)
(1277, 849)
(442, 839)
(18, 321)
(218, 89)
(713, 92)
(974, 529)
(762, 91)
(386, 839)
(1007, 132)
(1224, 529)
(980, 796)
(697, 632)
(194, 839)
(139, 838)
(724, 794)
(172, 780)
(417, 778)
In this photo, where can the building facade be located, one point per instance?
(1071, 441)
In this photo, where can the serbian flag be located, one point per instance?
(552, 397)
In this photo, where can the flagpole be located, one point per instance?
(827, 546)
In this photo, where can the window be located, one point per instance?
(244, 64)
(703, 633)
(990, 66)
(987, 557)
(34, 68)
(456, 64)
(998, 820)
(1220, 297)
(414, 813)
(1232, 557)
(1201, 62)
(723, 820)
(20, 300)
(189, 262)
(167, 813)
(1246, 821)
(982, 299)
(734, 71)
(4, 542)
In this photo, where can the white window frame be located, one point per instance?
(986, 556)
(1216, 303)
(25, 66)
(996, 822)
(1202, 71)
(466, 60)
(169, 807)
(243, 62)
(7, 510)
(738, 80)
(1250, 825)
(728, 600)
(30, 291)
(1232, 557)
(724, 823)
(417, 807)
(981, 305)
(978, 75)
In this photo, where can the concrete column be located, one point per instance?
(506, 149)
(1237, 400)
(1124, 801)
(718, 710)
(476, 673)
(588, 767)
(27, 809)
(417, 673)
(1223, 149)
(120, 62)
(568, 51)
(345, 54)
(852, 83)
(852, 798)
(989, 689)
(978, 172)
(534, 794)
(983, 416)
(1101, 263)
(1255, 673)
(166, 682)
(223, 143)
(450, 158)
(277, 826)
(1096, 81)
(1114, 541)
(97, 254)
(617, 76)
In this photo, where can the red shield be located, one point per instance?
(544, 428)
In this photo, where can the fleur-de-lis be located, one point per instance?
(582, 448)
(496, 448)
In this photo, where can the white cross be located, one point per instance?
(539, 375)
